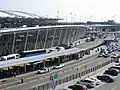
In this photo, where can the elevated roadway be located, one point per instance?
(63, 72)
(26, 60)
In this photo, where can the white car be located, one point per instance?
(115, 55)
(87, 82)
(98, 82)
(58, 66)
(43, 70)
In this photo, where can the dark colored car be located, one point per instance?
(115, 67)
(78, 87)
(106, 78)
(111, 72)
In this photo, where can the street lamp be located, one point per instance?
(115, 18)
(75, 18)
(71, 16)
(66, 18)
(57, 14)
(80, 18)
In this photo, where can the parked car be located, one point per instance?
(115, 67)
(78, 87)
(100, 55)
(43, 70)
(115, 70)
(64, 89)
(106, 55)
(58, 66)
(111, 72)
(98, 82)
(114, 55)
(118, 64)
(88, 82)
(106, 78)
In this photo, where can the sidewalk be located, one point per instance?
(92, 74)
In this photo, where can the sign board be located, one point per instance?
(56, 76)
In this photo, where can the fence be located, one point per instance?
(76, 75)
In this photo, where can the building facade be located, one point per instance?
(22, 39)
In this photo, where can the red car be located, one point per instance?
(78, 87)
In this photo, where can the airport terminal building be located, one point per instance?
(30, 38)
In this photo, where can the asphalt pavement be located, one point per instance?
(68, 70)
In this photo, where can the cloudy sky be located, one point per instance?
(75, 10)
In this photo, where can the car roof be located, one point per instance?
(81, 85)
(113, 69)
(64, 89)
(117, 66)
(107, 75)
(89, 79)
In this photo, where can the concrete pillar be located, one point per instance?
(25, 68)
(59, 60)
(51, 59)
(43, 64)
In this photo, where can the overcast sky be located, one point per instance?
(95, 10)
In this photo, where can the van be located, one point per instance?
(9, 57)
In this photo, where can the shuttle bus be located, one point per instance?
(32, 52)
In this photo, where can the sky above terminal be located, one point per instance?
(70, 10)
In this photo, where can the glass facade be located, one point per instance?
(31, 39)
(19, 42)
(49, 38)
(56, 37)
(41, 38)
(71, 35)
(62, 38)
(13, 42)
(6, 43)
(67, 35)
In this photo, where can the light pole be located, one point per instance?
(66, 18)
(90, 17)
(47, 16)
(75, 18)
(115, 18)
(85, 18)
(80, 18)
(71, 16)
(57, 14)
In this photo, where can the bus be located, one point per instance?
(32, 52)
(9, 57)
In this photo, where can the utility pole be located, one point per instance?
(71, 16)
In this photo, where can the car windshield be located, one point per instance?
(88, 81)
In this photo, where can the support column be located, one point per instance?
(43, 63)
(26, 41)
(51, 61)
(60, 37)
(37, 39)
(13, 43)
(45, 39)
(53, 38)
(59, 59)
(25, 67)
(18, 71)
(65, 35)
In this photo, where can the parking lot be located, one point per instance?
(93, 75)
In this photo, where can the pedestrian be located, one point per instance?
(14, 74)
(22, 80)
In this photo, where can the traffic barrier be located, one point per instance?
(89, 72)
